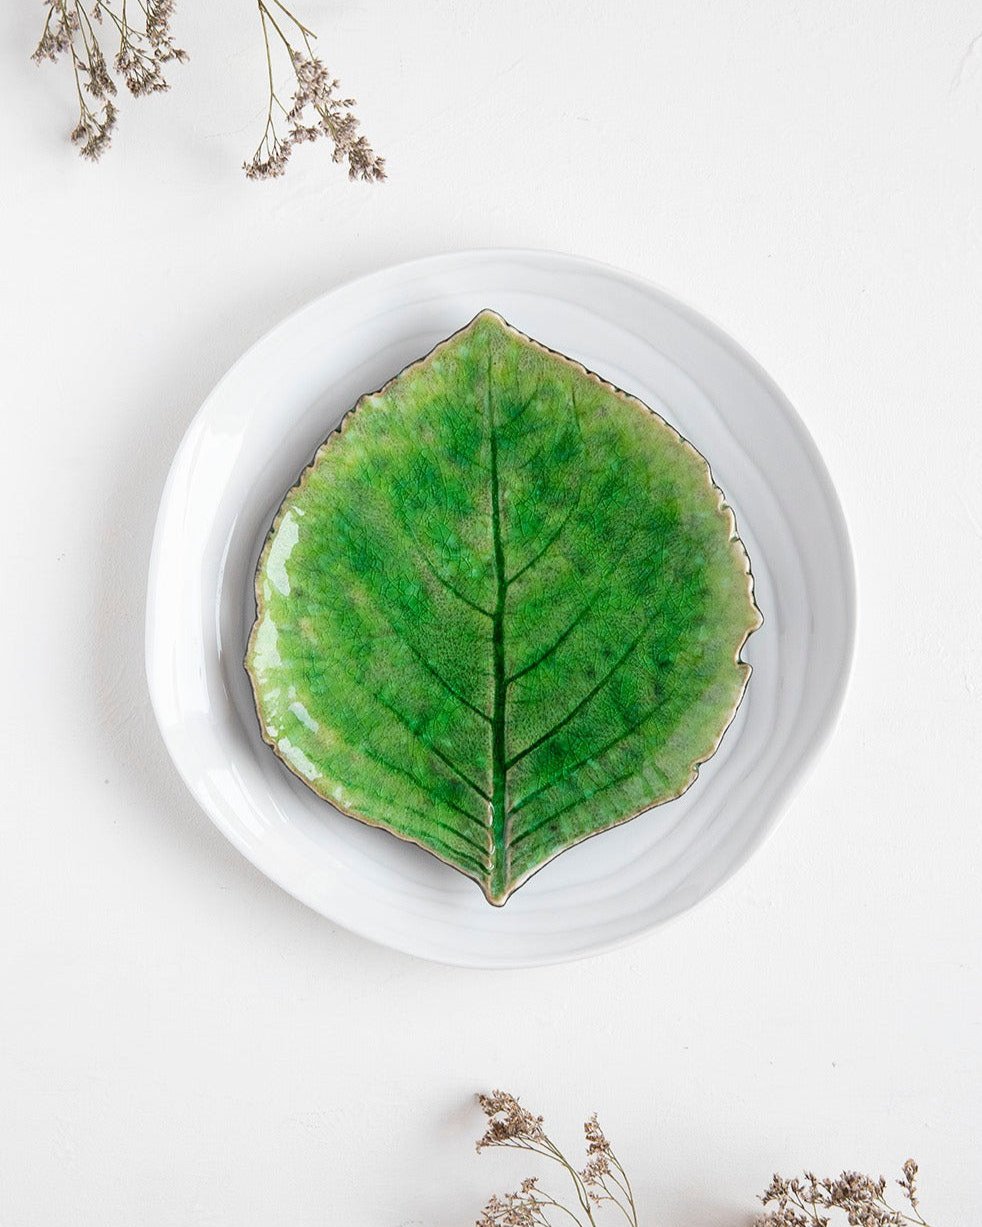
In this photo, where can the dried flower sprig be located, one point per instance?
(143, 49)
(601, 1185)
(146, 46)
(860, 1199)
(315, 110)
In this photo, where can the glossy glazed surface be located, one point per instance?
(502, 610)
(260, 427)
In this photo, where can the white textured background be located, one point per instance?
(183, 1044)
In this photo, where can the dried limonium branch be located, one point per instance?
(143, 48)
(601, 1185)
(315, 110)
(861, 1201)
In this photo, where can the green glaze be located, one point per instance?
(502, 610)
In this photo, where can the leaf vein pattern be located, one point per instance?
(537, 826)
(549, 543)
(412, 649)
(435, 750)
(435, 673)
(587, 698)
(558, 643)
(566, 772)
(499, 767)
(371, 753)
(442, 579)
(425, 559)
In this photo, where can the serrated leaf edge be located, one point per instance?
(735, 542)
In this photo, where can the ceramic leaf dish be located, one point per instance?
(502, 611)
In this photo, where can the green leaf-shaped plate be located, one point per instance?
(501, 611)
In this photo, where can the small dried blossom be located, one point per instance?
(602, 1184)
(595, 1169)
(512, 1210)
(508, 1121)
(596, 1141)
(860, 1200)
(316, 109)
(142, 51)
(909, 1182)
(93, 132)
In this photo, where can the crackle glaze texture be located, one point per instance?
(502, 610)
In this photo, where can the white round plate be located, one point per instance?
(246, 447)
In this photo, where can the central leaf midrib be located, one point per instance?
(499, 844)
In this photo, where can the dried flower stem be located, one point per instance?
(314, 90)
(602, 1182)
(69, 31)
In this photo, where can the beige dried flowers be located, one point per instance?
(602, 1192)
(75, 30)
(143, 48)
(860, 1200)
(316, 111)
(600, 1185)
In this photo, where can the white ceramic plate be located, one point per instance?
(247, 445)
